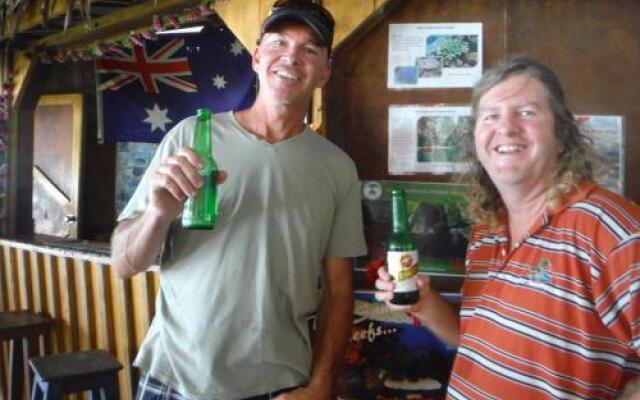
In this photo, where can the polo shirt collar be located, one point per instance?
(579, 193)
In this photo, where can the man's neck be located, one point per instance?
(523, 209)
(272, 124)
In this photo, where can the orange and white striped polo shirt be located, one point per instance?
(558, 315)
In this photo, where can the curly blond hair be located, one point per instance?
(577, 159)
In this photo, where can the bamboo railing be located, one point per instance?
(91, 306)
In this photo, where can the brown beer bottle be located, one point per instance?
(402, 252)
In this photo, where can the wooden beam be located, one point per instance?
(244, 17)
(32, 16)
(114, 24)
(22, 68)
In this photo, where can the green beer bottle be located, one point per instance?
(200, 211)
(402, 252)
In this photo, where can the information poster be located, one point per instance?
(132, 159)
(426, 139)
(437, 219)
(608, 139)
(434, 55)
(390, 358)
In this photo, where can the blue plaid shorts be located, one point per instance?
(149, 388)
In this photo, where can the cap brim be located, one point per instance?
(323, 35)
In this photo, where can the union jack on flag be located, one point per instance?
(149, 89)
(149, 70)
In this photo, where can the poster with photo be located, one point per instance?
(444, 55)
(132, 159)
(608, 139)
(389, 358)
(437, 219)
(426, 139)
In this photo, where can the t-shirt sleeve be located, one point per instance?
(347, 233)
(618, 292)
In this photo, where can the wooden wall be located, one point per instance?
(92, 307)
(593, 45)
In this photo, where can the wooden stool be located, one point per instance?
(19, 326)
(59, 374)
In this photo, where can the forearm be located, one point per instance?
(136, 243)
(335, 319)
(631, 391)
(334, 322)
(441, 318)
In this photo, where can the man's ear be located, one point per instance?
(326, 73)
(255, 58)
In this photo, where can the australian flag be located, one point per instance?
(149, 89)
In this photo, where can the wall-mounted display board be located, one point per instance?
(608, 138)
(437, 219)
(434, 55)
(426, 138)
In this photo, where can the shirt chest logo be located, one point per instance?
(541, 273)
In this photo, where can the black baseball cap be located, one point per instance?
(307, 12)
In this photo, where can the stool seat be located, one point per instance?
(19, 324)
(18, 327)
(93, 370)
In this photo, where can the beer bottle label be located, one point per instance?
(403, 266)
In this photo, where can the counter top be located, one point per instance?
(72, 248)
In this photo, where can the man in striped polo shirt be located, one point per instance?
(551, 299)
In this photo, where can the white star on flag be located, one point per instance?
(157, 118)
(219, 82)
(237, 48)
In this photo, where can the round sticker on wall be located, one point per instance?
(372, 190)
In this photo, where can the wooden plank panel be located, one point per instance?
(12, 278)
(103, 306)
(36, 265)
(125, 341)
(84, 302)
(24, 280)
(142, 298)
(67, 295)
(4, 266)
(67, 288)
(37, 281)
(54, 307)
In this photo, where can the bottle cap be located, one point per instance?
(203, 114)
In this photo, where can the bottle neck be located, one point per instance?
(202, 139)
(398, 213)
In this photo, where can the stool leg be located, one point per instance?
(36, 394)
(111, 391)
(52, 391)
(16, 369)
(95, 394)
